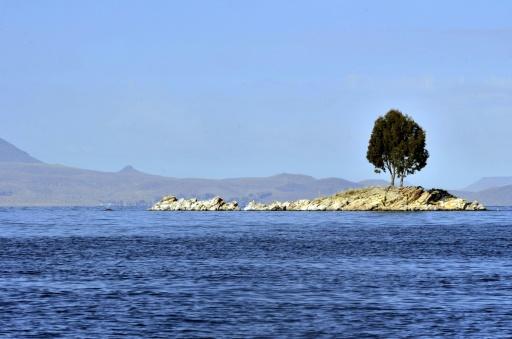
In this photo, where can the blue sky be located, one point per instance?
(254, 88)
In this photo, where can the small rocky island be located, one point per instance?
(397, 146)
(366, 199)
(376, 199)
(171, 203)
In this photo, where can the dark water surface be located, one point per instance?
(88, 273)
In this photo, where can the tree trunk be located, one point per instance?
(392, 172)
(401, 181)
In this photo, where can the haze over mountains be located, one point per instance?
(489, 183)
(10, 153)
(26, 181)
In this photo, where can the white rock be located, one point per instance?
(171, 203)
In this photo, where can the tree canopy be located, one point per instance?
(397, 146)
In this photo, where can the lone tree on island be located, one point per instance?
(397, 145)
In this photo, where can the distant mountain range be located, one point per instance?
(496, 196)
(492, 191)
(26, 181)
(489, 183)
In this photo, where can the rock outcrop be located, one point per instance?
(376, 199)
(171, 203)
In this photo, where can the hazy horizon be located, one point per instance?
(249, 89)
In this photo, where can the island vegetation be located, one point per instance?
(397, 146)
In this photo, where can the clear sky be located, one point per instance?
(254, 88)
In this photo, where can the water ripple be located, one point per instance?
(85, 273)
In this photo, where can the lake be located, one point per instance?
(83, 272)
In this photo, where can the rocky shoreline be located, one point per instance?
(376, 199)
(367, 199)
(171, 203)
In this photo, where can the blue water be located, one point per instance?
(129, 273)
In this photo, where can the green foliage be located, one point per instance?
(397, 146)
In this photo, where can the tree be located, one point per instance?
(397, 145)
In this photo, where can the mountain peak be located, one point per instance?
(11, 153)
(129, 170)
